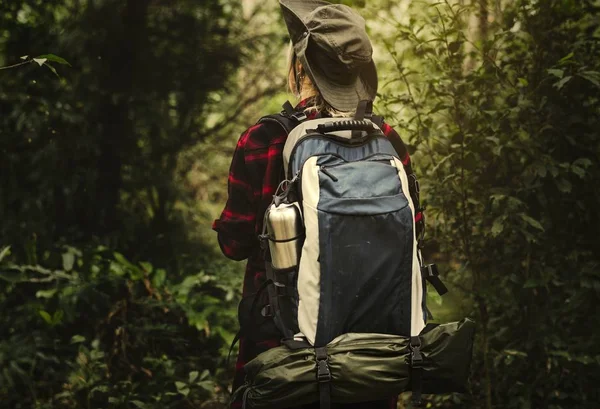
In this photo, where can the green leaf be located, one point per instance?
(4, 252)
(139, 404)
(123, 260)
(497, 227)
(205, 375)
(40, 61)
(193, 376)
(24, 57)
(55, 58)
(563, 185)
(146, 266)
(531, 283)
(582, 162)
(566, 58)
(47, 317)
(514, 352)
(207, 386)
(578, 171)
(591, 76)
(68, 259)
(531, 221)
(45, 293)
(556, 72)
(51, 68)
(180, 385)
(57, 317)
(77, 339)
(13, 276)
(523, 82)
(560, 84)
(158, 278)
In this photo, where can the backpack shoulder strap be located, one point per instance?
(377, 120)
(287, 119)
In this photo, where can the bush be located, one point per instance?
(504, 125)
(91, 330)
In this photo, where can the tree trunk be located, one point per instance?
(125, 48)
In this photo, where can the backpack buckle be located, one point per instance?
(431, 274)
(299, 116)
(323, 372)
(266, 311)
(288, 110)
(416, 357)
(430, 270)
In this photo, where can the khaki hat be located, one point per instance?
(331, 42)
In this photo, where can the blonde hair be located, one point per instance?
(303, 88)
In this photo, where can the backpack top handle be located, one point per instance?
(346, 125)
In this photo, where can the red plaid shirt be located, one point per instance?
(255, 172)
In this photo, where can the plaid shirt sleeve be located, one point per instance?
(236, 226)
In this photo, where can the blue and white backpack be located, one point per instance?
(345, 281)
(359, 268)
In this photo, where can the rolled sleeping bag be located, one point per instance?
(363, 367)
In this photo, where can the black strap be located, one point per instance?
(294, 344)
(377, 120)
(276, 291)
(281, 120)
(323, 377)
(431, 274)
(290, 112)
(243, 331)
(288, 109)
(237, 337)
(416, 370)
(364, 110)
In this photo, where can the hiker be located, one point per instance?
(330, 71)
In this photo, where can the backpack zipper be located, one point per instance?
(328, 173)
(319, 136)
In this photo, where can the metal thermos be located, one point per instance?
(284, 225)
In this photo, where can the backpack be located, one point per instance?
(342, 248)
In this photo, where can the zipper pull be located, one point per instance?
(328, 173)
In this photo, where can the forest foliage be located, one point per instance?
(112, 290)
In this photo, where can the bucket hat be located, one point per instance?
(331, 42)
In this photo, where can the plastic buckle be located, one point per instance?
(267, 311)
(416, 357)
(323, 373)
(264, 241)
(299, 116)
(430, 270)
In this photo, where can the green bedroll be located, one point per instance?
(361, 367)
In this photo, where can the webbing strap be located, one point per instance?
(282, 322)
(364, 110)
(323, 377)
(416, 370)
(243, 330)
(431, 274)
(288, 108)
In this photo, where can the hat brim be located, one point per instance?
(342, 97)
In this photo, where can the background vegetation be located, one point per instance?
(112, 290)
